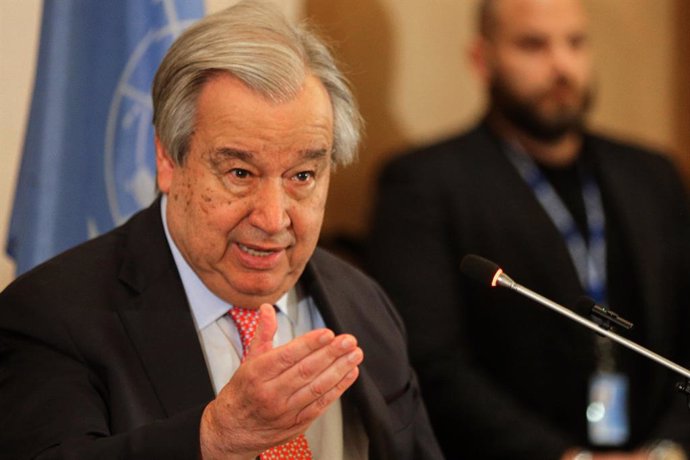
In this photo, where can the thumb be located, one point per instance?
(265, 330)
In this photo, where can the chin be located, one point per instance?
(261, 288)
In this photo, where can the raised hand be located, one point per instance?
(277, 392)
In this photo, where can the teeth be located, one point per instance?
(255, 252)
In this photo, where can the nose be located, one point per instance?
(566, 60)
(561, 60)
(270, 208)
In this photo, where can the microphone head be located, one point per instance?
(480, 269)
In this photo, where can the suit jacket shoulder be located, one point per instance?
(462, 149)
(107, 325)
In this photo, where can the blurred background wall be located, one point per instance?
(407, 60)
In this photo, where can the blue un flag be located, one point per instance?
(88, 161)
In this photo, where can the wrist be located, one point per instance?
(214, 440)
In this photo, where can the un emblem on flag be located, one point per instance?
(129, 162)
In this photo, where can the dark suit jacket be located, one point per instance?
(99, 357)
(503, 377)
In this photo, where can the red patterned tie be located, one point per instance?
(297, 449)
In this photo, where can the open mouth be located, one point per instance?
(256, 252)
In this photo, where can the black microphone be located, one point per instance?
(490, 274)
(484, 271)
(480, 269)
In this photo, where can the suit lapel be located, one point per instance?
(364, 394)
(158, 319)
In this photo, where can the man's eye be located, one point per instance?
(304, 176)
(239, 173)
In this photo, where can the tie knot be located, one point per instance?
(246, 321)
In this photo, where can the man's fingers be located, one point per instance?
(265, 331)
(320, 373)
(288, 384)
(286, 356)
(319, 405)
(315, 381)
(309, 368)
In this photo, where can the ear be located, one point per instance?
(165, 167)
(480, 59)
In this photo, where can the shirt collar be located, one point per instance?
(205, 305)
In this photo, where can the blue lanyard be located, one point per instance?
(589, 258)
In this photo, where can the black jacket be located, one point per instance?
(99, 357)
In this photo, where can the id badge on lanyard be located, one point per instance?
(607, 411)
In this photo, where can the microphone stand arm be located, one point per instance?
(504, 280)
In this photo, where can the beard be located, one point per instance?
(526, 114)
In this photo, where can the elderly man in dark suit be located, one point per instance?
(209, 326)
(563, 211)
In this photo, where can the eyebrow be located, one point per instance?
(314, 154)
(228, 152)
(245, 155)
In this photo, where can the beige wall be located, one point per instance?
(406, 59)
(681, 83)
(409, 66)
(19, 29)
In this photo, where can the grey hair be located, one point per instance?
(253, 42)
